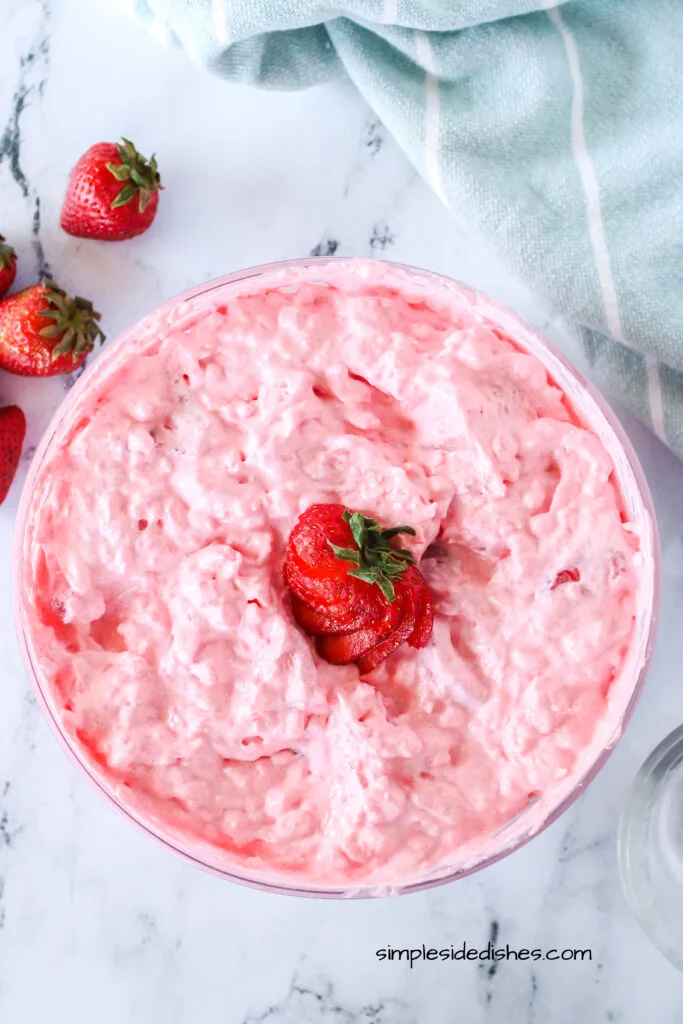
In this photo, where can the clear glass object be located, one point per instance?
(650, 847)
(590, 407)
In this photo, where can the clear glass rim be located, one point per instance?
(633, 840)
(557, 364)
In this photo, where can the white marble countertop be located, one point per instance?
(97, 923)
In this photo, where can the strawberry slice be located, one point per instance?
(424, 619)
(329, 620)
(372, 658)
(350, 602)
(319, 589)
(369, 660)
(317, 623)
(309, 547)
(332, 619)
(342, 650)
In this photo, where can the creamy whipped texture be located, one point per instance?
(161, 630)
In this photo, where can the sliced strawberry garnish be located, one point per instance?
(326, 621)
(316, 623)
(424, 619)
(310, 547)
(349, 602)
(342, 650)
(370, 660)
(307, 586)
(320, 590)
(353, 588)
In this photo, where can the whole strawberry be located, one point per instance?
(8, 266)
(113, 193)
(43, 331)
(12, 433)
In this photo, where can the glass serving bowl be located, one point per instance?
(590, 408)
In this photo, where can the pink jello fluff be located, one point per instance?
(160, 629)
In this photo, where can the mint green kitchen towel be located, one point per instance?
(555, 131)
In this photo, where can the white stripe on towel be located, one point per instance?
(596, 225)
(219, 14)
(425, 55)
(390, 12)
(654, 388)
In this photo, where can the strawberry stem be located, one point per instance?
(377, 561)
(141, 176)
(75, 325)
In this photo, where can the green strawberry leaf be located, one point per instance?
(125, 195)
(142, 176)
(377, 561)
(347, 554)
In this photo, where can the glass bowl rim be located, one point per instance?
(281, 883)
